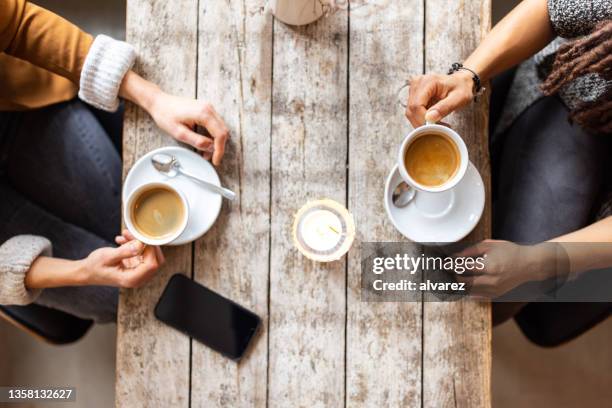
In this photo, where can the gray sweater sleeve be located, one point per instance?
(573, 18)
(16, 257)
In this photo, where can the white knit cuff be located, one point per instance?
(16, 257)
(106, 64)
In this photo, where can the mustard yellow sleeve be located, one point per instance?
(43, 38)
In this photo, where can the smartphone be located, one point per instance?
(208, 317)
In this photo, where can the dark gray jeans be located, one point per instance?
(548, 180)
(60, 178)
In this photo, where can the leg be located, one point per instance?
(20, 216)
(500, 86)
(550, 175)
(112, 122)
(63, 160)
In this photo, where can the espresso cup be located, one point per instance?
(435, 165)
(156, 213)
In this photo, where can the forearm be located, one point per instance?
(522, 33)
(47, 272)
(589, 248)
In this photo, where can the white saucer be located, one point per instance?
(469, 201)
(204, 206)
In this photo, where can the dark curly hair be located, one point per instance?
(591, 54)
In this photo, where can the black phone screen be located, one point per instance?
(208, 317)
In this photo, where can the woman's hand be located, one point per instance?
(129, 266)
(432, 97)
(519, 35)
(179, 116)
(508, 265)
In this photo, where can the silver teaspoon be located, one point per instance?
(403, 194)
(170, 166)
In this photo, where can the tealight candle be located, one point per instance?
(323, 230)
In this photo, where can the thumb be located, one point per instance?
(129, 250)
(452, 102)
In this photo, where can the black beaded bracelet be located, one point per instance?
(478, 88)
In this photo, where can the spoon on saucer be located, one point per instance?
(402, 195)
(170, 166)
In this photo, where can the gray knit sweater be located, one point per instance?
(569, 19)
(106, 64)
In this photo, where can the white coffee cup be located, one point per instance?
(434, 201)
(450, 134)
(130, 224)
(297, 12)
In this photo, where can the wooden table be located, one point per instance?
(312, 113)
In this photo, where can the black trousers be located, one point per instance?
(548, 179)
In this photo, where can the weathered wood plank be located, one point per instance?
(153, 359)
(309, 153)
(383, 339)
(234, 73)
(457, 336)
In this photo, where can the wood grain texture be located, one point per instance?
(301, 103)
(457, 336)
(153, 359)
(383, 354)
(309, 153)
(235, 75)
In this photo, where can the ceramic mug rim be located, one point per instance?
(463, 157)
(127, 216)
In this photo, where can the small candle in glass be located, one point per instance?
(323, 230)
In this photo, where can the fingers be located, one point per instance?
(188, 136)
(152, 258)
(455, 100)
(159, 255)
(125, 251)
(482, 286)
(474, 250)
(427, 91)
(433, 97)
(219, 150)
(423, 91)
(138, 266)
(125, 236)
(210, 119)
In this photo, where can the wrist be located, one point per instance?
(469, 76)
(465, 79)
(542, 262)
(139, 91)
(81, 274)
(478, 68)
(46, 272)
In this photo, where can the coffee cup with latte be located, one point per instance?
(156, 213)
(433, 159)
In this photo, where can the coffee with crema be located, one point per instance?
(158, 212)
(432, 159)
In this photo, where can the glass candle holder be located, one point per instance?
(323, 230)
